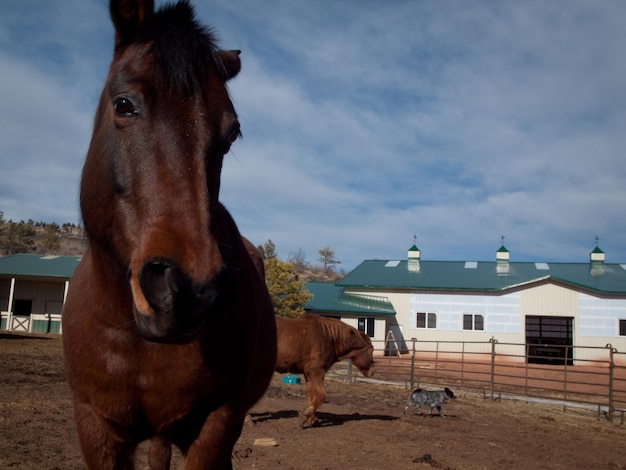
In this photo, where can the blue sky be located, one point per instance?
(365, 122)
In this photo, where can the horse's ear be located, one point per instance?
(231, 62)
(128, 16)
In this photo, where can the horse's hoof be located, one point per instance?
(309, 423)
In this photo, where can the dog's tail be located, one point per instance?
(411, 400)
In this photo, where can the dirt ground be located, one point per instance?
(362, 426)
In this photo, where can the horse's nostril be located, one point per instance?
(158, 284)
(168, 289)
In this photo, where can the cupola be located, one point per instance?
(413, 256)
(414, 253)
(502, 260)
(596, 261)
(502, 254)
(596, 255)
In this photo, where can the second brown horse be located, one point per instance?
(310, 345)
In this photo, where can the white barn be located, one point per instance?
(557, 309)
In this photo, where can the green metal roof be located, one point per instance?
(28, 265)
(328, 297)
(484, 276)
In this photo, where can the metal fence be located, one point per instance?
(554, 374)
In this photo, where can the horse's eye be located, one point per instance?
(124, 107)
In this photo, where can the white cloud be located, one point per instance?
(367, 122)
(44, 137)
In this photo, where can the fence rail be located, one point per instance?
(537, 372)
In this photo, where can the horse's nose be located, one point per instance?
(169, 290)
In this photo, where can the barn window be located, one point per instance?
(622, 327)
(426, 320)
(473, 322)
(366, 325)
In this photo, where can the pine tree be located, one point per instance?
(51, 242)
(286, 288)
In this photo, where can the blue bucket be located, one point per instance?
(291, 379)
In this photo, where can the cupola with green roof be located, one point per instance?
(596, 261)
(596, 255)
(502, 253)
(414, 253)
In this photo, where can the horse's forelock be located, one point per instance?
(183, 49)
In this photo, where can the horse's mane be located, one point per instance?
(184, 50)
(345, 337)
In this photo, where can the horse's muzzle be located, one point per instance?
(179, 305)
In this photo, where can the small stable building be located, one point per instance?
(368, 313)
(32, 291)
(558, 309)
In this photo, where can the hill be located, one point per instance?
(69, 239)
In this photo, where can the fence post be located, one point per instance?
(413, 340)
(612, 350)
(565, 369)
(493, 342)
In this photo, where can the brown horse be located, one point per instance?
(310, 345)
(168, 329)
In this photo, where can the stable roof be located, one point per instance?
(38, 266)
(330, 298)
(484, 276)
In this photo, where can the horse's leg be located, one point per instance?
(160, 454)
(213, 447)
(315, 395)
(101, 447)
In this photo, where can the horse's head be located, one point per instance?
(352, 344)
(150, 184)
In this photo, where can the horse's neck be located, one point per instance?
(343, 349)
(348, 355)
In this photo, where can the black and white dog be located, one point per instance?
(433, 399)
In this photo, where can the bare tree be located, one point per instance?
(298, 259)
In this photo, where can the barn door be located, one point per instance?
(549, 340)
(21, 315)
